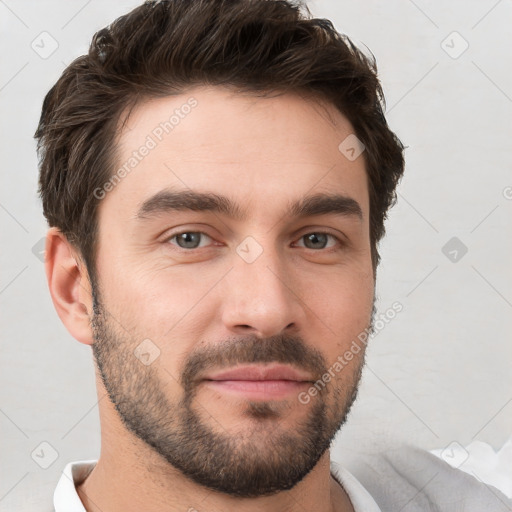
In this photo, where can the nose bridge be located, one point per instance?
(260, 295)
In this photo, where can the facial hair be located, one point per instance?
(258, 461)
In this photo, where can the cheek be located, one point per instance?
(345, 303)
(350, 316)
(159, 303)
(346, 312)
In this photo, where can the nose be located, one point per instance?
(262, 297)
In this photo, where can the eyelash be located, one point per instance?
(340, 243)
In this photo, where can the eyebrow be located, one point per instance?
(187, 200)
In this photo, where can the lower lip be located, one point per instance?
(263, 389)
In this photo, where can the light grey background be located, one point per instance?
(438, 373)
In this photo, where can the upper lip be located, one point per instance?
(258, 372)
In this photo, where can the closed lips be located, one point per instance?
(255, 373)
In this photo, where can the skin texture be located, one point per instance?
(170, 440)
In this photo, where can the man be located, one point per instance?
(216, 177)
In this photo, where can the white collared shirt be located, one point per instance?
(66, 499)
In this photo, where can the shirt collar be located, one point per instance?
(65, 497)
(361, 499)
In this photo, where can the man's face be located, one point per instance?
(188, 291)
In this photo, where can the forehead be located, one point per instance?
(261, 150)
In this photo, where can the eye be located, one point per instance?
(193, 240)
(188, 239)
(318, 240)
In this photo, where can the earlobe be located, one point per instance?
(69, 286)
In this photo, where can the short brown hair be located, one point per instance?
(164, 47)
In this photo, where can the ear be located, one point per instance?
(69, 285)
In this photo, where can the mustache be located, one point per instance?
(251, 349)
